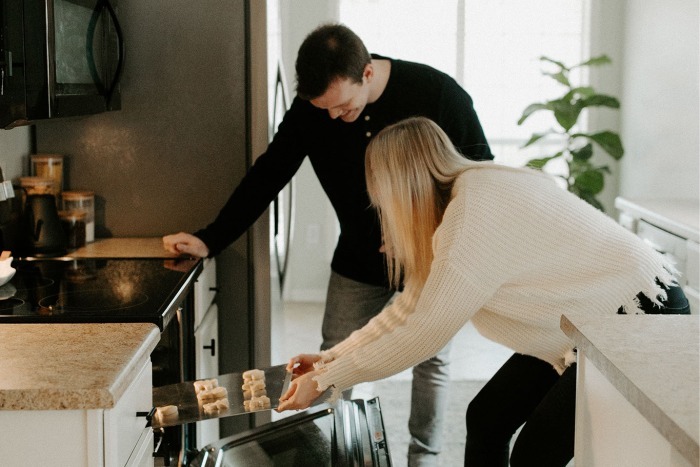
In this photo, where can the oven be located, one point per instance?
(102, 290)
(347, 433)
(156, 290)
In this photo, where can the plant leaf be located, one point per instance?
(591, 181)
(610, 142)
(583, 91)
(560, 77)
(530, 109)
(582, 154)
(591, 199)
(600, 100)
(536, 137)
(594, 61)
(559, 64)
(541, 162)
(565, 112)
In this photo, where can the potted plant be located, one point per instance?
(584, 178)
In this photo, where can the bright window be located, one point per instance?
(491, 48)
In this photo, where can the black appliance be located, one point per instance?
(58, 58)
(344, 434)
(43, 232)
(70, 290)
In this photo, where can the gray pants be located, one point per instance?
(349, 306)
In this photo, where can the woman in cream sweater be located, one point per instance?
(507, 249)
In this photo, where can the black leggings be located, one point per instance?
(526, 390)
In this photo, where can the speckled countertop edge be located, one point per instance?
(653, 360)
(123, 247)
(65, 366)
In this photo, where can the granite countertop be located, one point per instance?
(123, 247)
(653, 361)
(71, 366)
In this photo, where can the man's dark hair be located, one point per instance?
(329, 52)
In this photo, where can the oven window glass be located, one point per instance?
(307, 443)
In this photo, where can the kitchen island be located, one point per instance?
(76, 393)
(637, 389)
(84, 338)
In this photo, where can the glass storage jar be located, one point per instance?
(84, 201)
(73, 223)
(49, 166)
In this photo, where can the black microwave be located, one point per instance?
(58, 58)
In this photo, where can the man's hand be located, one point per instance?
(184, 243)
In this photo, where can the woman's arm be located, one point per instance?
(448, 300)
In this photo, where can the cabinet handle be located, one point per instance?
(214, 289)
(148, 415)
(212, 347)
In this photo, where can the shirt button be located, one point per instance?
(368, 134)
(366, 118)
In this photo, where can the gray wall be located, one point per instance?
(170, 158)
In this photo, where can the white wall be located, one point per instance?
(606, 38)
(15, 146)
(653, 45)
(660, 99)
(315, 223)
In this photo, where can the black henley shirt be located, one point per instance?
(336, 150)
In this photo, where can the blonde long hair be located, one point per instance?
(410, 168)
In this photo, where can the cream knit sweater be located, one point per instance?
(513, 253)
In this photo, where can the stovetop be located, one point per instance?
(95, 290)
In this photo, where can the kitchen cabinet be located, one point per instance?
(671, 227)
(61, 405)
(636, 390)
(206, 341)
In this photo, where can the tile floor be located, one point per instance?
(297, 329)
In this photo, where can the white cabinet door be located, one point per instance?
(125, 423)
(142, 456)
(610, 431)
(82, 438)
(207, 361)
(204, 290)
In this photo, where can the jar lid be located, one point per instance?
(47, 157)
(73, 214)
(73, 195)
(35, 181)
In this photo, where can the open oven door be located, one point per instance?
(346, 433)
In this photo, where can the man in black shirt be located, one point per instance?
(344, 97)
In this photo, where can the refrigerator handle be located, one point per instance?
(280, 97)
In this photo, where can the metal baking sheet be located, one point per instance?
(277, 380)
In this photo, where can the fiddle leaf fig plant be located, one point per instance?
(584, 178)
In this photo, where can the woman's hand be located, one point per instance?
(302, 392)
(184, 243)
(302, 364)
